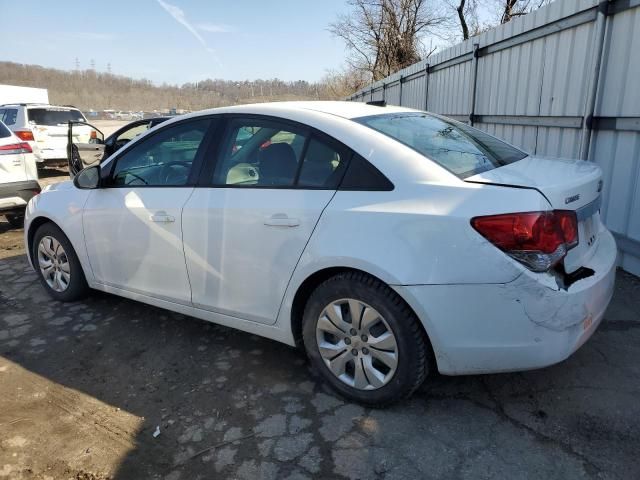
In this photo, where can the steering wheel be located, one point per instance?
(171, 176)
(135, 177)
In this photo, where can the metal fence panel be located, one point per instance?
(533, 82)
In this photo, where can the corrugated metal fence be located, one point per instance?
(563, 81)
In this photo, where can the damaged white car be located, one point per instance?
(386, 241)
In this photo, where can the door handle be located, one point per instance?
(161, 217)
(281, 220)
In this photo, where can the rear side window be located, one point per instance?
(322, 166)
(463, 150)
(54, 116)
(4, 131)
(8, 115)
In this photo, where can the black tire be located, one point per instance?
(16, 220)
(413, 350)
(77, 287)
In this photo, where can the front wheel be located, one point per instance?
(57, 264)
(364, 339)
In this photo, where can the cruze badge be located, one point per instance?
(571, 199)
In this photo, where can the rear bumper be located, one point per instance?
(50, 155)
(14, 196)
(525, 324)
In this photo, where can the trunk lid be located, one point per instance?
(13, 167)
(567, 185)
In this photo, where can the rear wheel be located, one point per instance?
(364, 339)
(16, 220)
(57, 264)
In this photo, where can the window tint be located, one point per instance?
(321, 166)
(164, 159)
(132, 133)
(259, 153)
(361, 175)
(461, 149)
(54, 116)
(4, 131)
(8, 116)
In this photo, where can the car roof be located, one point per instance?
(348, 110)
(39, 105)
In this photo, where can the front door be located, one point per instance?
(132, 223)
(85, 146)
(244, 235)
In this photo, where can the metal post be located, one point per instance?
(371, 94)
(384, 91)
(474, 83)
(590, 104)
(400, 94)
(426, 87)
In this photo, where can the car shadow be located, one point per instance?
(91, 382)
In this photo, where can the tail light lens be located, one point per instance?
(539, 240)
(25, 135)
(15, 148)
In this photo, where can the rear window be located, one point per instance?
(463, 150)
(4, 131)
(54, 116)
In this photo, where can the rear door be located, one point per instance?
(85, 146)
(247, 224)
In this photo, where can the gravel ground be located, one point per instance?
(83, 388)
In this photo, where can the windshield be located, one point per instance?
(463, 150)
(54, 116)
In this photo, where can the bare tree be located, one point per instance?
(384, 36)
(511, 9)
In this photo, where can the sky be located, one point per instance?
(176, 41)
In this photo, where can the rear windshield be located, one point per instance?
(4, 131)
(54, 116)
(463, 150)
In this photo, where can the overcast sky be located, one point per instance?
(176, 41)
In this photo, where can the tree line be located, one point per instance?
(89, 89)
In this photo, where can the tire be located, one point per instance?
(16, 220)
(66, 260)
(404, 355)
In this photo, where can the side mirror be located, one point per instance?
(88, 178)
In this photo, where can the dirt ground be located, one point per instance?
(83, 388)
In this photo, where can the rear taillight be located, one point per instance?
(539, 240)
(15, 148)
(26, 135)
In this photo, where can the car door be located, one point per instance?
(85, 146)
(132, 223)
(123, 136)
(246, 226)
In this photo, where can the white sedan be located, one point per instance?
(387, 241)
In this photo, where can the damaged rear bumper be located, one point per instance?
(529, 323)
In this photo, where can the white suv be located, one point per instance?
(44, 127)
(18, 176)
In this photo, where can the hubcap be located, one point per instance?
(357, 344)
(54, 264)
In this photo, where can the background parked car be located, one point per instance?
(44, 128)
(18, 176)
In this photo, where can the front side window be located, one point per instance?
(51, 116)
(260, 153)
(463, 150)
(164, 159)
